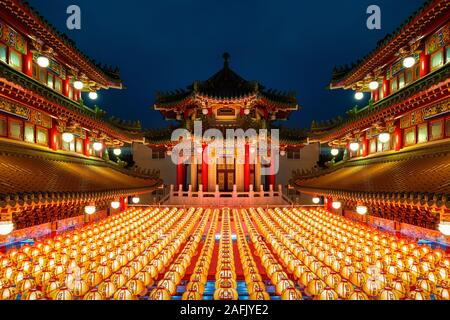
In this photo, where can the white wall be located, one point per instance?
(142, 156)
(309, 156)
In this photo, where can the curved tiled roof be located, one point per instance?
(37, 24)
(409, 30)
(226, 84)
(28, 172)
(424, 171)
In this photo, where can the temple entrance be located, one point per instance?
(226, 176)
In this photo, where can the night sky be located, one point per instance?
(167, 44)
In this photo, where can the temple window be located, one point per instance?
(401, 80)
(436, 129)
(422, 133)
(15, 59)
(447, 127)
(437, 59)
(15, 129)
(158, 154)
(409, 76)
(3, 53)
(373, 146)
(3, 127)
(410, 136)
(42, 136)
(394, 86)
(43, 76)
(79, 145)
(447, 55)
(50, 82)
(29, 132)
(293, 155)
(58, 84)
(70, 92)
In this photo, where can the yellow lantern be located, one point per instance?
(358, 295)
(291, 294)
(389, 294)
(160, 293)
(327, 294)
(226, 294)
(124, 294)
(62, 293)
(419, 294)
(315, 287)
(136, 287)
(191, 295)
(33, 294)
(93, 295)
(107, 288)
(344, 289)
(7, 293)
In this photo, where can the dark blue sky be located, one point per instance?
(284, 44)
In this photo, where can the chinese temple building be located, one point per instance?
(227, 101)
(396, 150)
(54, 150)
(79, 219)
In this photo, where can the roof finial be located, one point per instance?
(226, 59)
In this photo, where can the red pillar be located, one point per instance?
(375, 96)
(66, 87)
(365, 146)
(54, 136)
(272, 177)
(247, 168)
(424, 63)
(180, 172)
(28, 63)
(87, 147)
(123, 204)
(386, 87)
(398, 137)
(205, 168)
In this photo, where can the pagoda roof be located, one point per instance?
(35, 25)
(423, 21)
(19, 88)
(426, 91)
(419, 175)
(225, 86)
(29, 174)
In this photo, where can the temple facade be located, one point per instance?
(57, 155)
(227, 101)
(395, 150)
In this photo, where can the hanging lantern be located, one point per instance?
(361, 210)
(98, 146)
(135, 200)
(359, 95)
(316, 200)
(117, 152)
(336, 205)
(374, 85)
(93, 95)
(444, 228)
(43, 61)
(78, 85)
(384, 137)
(205, 111)
(90, 210)
(354, 146)
(115, 205)
(409, 62)
(68, 137)
(246, 111)
(334, 152)
(6, 227)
